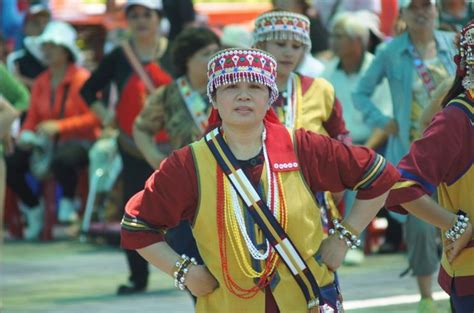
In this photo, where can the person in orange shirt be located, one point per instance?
(57, 118)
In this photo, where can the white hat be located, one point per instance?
(150, 4)
(404, 3)
(235, 35)
(58, 33)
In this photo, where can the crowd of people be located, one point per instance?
(255, 156)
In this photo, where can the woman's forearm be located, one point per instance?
(377, 139)
(146, 144)
(160, 255)
(363, 211)
(428, 210)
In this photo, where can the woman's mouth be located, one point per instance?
(243, 109)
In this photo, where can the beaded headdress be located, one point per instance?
(465, 58)
(282, 25)
(231, 66)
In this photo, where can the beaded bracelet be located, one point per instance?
(313, 303)
(459, 227)
(344, 234)
(182, 268)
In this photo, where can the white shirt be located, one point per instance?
(344, 85)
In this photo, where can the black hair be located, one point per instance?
(187, 43)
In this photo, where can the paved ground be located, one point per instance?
(70, 277)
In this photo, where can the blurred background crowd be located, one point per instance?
(76, 74)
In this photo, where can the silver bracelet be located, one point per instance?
(459, 227)
(182, 268)
(351, 240)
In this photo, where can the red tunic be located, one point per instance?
(171, 193)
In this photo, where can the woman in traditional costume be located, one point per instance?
(303, 102)
(247, 189)
(442, 160)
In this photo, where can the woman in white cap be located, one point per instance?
(58, 115)
(261, 255)
(133, 67)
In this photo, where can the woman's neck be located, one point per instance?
(146, 48)
(421, 37)
(57, 73)
(244, 142)
(352, 63)
(425, 43)
(282, 80)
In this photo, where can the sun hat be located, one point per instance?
(58, 33)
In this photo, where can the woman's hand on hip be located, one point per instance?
(332, 252)
(200, 281)
(453, 248)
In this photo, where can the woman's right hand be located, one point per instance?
(200, 281)
(453, 249)
(391, 128)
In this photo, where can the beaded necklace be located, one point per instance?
(231, 223)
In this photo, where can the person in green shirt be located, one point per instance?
(14, 98)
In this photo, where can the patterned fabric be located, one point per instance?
(421, 97)
(302, 216)
(131, 223)
(465, 59)
(165, 110)
(242, 65)
(372, 173)
(282, 25)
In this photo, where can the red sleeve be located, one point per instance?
(84, 119)
(170, 195)
(441, 155)
(329, 165)
(32, 119)
(335, 125)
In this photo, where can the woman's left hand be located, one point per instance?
(332, 252)
(453, 248)
(49, 128)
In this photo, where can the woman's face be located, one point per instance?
(287, 53)
(197, 63)
(420, 14)
(242, 104)
(143, 22)
(340, 41)
(54, 54)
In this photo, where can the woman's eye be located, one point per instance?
(256, 86)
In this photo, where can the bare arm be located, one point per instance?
(431, 212)
(377, 139)
(198, 280)
(333, 249)
(146, 144)
(105, 116)
(7, 115)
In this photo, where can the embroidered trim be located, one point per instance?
(194, 103)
